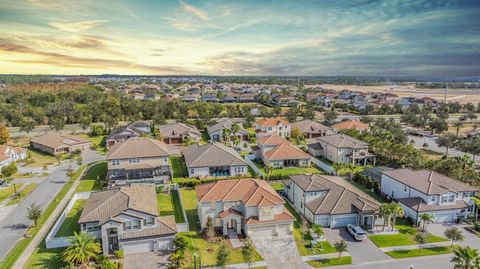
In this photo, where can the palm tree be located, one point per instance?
(341, 246)
(477, 204)
(426, 219)
(458, 125)
(454, 234)
(226, 134)
(397, 211)
(82, 249)
(466, 258)
(385, 213)
(447, 141)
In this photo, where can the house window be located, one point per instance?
(392, 194)
(91, 227)
(149, 221)
(115, 162)
(433, 198)
(132, 225)
(405, 188)
(192, 171)
(451, 198)
(467, 194)
(213, 205)
(301, 204)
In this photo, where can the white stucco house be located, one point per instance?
(9, 154)
(426, 191)
(276, 126)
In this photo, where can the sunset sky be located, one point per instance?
(384, 38)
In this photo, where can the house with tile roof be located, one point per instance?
(9, 154)
(426, 191)
(134, 129)
(178, 133)
(215, 131)
(54, 143)
(350, 124)
(330, 201)
(248, 206)
(138, 159)
(278, 126)
(127, 218)
(341, 148)
(277, 152)
(312, 129)
(213, 160)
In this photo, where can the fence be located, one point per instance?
(181, 227)
(248, 159)
(57, 242)
(325, 167)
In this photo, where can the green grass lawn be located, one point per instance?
(99, 141)
(331, 262)
(189, 199)
(94, 178)
(178, 166)
(404, 237)
(45, 259)
(277, 185)
(23, 194)
(6, 192)
(39, 159)
(400, 254)
(20, 246)
(169, 204)
(289, 170)
(70, 224)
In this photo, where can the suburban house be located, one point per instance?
(216, 131)
(330, 201)
(312, 129)
(56, 143)
(341, 148)
(138, 159)
(135, 129)
(9, 154)
(426, 191)
(178, 133)
(127, 218)
(278, 126)
(250, 206)
(277, 152)
(213, 160)
(350, 124)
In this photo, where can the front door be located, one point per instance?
(232, 224)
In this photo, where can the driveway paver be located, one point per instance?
(361, 251)
(280, 252)
(147, 260)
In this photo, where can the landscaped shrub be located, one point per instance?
(100, 258)
(108, 264)
(119, 254)
(476, 226)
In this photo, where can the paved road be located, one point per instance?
(432, 145)
(14, 222)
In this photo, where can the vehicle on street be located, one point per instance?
(356, 232)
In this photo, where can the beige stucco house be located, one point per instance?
(56, 143)
(341, 148)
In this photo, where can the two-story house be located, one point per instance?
(127, 218)
(178, 133)
(341, 148)
(138, 159)
(216, 132)
(9, 154)
(330, 201)
(214, 160)
(312, 129)
(426, 191)
(250, 206)
(134, 129)
(278, 152)
(277, 126)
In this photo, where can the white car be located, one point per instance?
(356, 232)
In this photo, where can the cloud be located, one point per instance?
(201, 14)
(76, 26)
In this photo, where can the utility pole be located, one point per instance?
(446, 89)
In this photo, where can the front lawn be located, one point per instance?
(45, 258)
(98, 142)
(331, 262)
(169, 204)
(189, 199)
(23, 194)
(400, 254)
(6, 192)
(38, 159)
(289, 170)
(94, 178)
(178, 166)
(70, 224)
(404, 237)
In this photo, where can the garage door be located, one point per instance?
(138, 247)
(164, 244)
(444, 217)
(343, 221)
(283, 230)
(323, 221)
(262, 231)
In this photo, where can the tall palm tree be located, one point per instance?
(226, 134)
(426, 219)
(397, 211)
(466, 258)
(385, 213)
(457, 126)
(82, 249)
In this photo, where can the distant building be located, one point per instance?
(56, 143)
(9, 154)
(178, 133)
(135, 129)
(350, 124)
(278, 126)
(312, 129)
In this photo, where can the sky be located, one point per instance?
(259, 38)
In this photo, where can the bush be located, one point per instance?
(100, 258)
(108, 264)
(476, 226)
(119, 254)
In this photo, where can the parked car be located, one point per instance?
(356, 232)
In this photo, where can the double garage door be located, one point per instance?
(146, 246)
(443, 217)
(269, 231)
(342, 221)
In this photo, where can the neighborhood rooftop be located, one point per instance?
(343, 141)
(272, 121)
(211, 154)
(138, 147)
(55, 140)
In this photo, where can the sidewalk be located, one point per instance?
(408, 247)
(21, 261)
(324, 256)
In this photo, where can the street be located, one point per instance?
(14, 222)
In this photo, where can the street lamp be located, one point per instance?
(14, 190)
(195, 260)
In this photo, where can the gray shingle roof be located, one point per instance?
(225, 124)
(309, 126)
(419, 205)
(176, 130)
(211, 154)
(138, 147)
(343, 141)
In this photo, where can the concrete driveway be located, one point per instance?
(361, 251)
(147, 260)
(469, 238)
(280, 252)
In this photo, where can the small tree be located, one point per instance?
(420, 238)
(79, 160)
(426, 219)
(4, 134)
(247, 251)
(58, 157)
(341, 246)
(454, 234)
(317, 229)
(9, 170)
(34, 211)
(397, 211)
(82, 249)
(222, 255)
(209, 230)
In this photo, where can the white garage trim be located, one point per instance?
(443, 217)
(323, 221)
(259, 232)
(138, 247)
(343, 220)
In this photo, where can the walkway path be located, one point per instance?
(280, 252)
(408, 247)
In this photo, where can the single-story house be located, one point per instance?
(350, 124)
(9, 154)
(178, 133)
(216, 131)
(313, 129)
(55, 143)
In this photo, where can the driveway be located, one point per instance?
(147, 260)
(469, 238)
(280, 252)
(361, 251)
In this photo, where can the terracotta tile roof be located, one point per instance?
(309, 126)
(272, 121)
(251, 192)
(138, 147)
(350, 124)
(55, 140)
(286, 151)
(104, 205)
(340, 197)
(419, 205)
(343, 141)
(212, 154)
(271, 140)
(284, 216)
(427, 181)
(177, 130)
(229, 212)
(164, 227)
